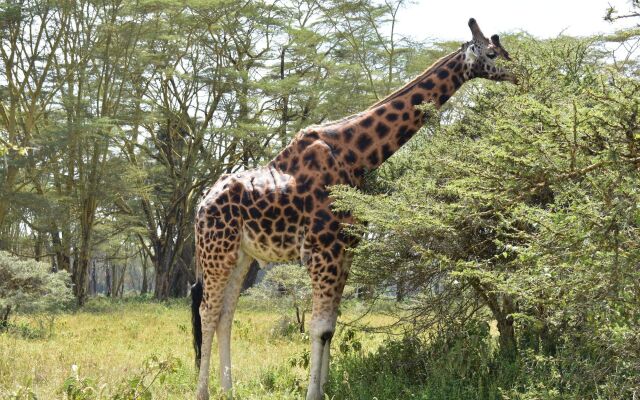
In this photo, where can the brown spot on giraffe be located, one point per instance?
(283, 210)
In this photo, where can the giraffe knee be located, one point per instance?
(322, 330)
(326, 336)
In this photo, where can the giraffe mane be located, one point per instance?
(437, 64)
(410, 85)
(336, 121)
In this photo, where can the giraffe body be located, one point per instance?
(282, 211)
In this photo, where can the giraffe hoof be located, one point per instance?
(314, 396)
(203, 394)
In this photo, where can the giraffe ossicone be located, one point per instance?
(282, 211)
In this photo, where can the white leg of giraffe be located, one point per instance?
(229, 302)
(214, 285)
(324, 374)
(208, 318)
(326, 300)
(321, 328)
(313, 390)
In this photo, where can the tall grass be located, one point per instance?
(111, 342)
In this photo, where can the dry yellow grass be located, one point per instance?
(110, 342)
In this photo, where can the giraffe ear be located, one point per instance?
(495, 39)
(470, 52)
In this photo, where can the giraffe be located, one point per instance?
(282, 211)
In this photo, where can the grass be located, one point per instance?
(110, 341)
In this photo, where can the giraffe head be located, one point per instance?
(481, 55)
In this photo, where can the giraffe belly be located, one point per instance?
(271, 248)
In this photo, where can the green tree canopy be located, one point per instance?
(524, 204)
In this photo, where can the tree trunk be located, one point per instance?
(180, 283)
(94, 279)
(37, 246)
(400, 287)
(161, 290)
(4, 318)
(145, 279)
(507, 340)
(284, 118)
(81, 281)
(120, 286)
(300, 318)
(161, 263)
(81, 273)
(169, 282)
(107, 279)
(501, 306)
(508, 344)
(172, 264)
(6, 192)
(61, 255)
(183, 275)
(114, 280)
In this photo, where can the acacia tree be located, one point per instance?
(523, 207)
(191, 102)
(116, 115)
(30, 37)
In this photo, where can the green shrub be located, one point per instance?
(285, 327)
(137, 386)
(30, 286)
(282, 380)
(289, 282)
(41, 329)
(454, 365)
(466, 364)
(22, 393)
(522, 203)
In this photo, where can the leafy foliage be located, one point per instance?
(524, 204)
(113, 124)
(458, 365)
(30, 286)
(135, 387)
(290, 282)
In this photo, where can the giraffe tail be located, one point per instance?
(196, 299)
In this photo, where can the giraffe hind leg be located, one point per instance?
(223, 330)
(209, 317)
(216, 274)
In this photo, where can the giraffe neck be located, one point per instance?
(378, 132)
(363, 141)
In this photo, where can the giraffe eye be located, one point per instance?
(492, 55)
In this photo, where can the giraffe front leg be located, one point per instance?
(340, 282)
(321, 331)
(215, 280)
(328, 282)
(324, 372)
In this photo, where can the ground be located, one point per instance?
(109, 342)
